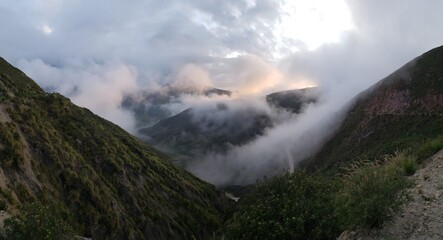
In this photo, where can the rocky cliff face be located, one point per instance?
(106, 183)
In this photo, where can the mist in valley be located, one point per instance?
(220, 60)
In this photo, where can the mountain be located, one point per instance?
(106, 183)
(399, 112)
(186, 137)
(189, 136)
(293, 100)
(150, 107)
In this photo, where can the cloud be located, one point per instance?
(99, 87)
(192, 77)
(249, 75)
(292, 139)
(386, 36)
(156, 36)
(97, 52)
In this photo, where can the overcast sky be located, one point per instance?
(96, 52)
(113, 47)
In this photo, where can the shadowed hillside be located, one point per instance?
(106, 183)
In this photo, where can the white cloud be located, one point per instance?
(99, 87)
(97, 51)
(46, 29)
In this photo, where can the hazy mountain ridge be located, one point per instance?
(191, 135)
(106, 183)
(293, 100)
(150, 107)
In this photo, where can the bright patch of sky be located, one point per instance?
(47, 29)
(314, 22)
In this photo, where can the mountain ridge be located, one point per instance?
(188, 136)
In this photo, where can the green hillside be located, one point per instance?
(106, 183)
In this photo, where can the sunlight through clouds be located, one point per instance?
(314, 22)
(46, 29)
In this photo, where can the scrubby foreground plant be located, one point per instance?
(370, 192)
(38, 222)
(292, 206)
(304, 206)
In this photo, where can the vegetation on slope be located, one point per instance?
(305, 206)
(37, 222)
(103, 181)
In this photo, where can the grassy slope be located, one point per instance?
(105, 182)
(400, 112)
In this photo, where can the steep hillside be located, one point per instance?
(106, 183)
(401, 111)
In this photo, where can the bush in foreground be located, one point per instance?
(303, 206)
(370, 192)
(429, 147)
(36, 222)
(292, 206)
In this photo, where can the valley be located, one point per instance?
(108, 184)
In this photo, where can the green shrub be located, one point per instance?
(36, 222)
(405, 161)
(370, 192)
(429, 148)
(303, 206)
(292, 206)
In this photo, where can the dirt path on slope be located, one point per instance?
(422, 217)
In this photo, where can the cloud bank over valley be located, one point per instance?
(139, 62)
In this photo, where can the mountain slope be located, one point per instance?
(189, 135)
(151, 107)
(293, 100)
(183, 135)
(106, 183)
(399, 112)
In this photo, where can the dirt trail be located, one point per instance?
(422, 217)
